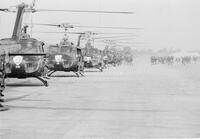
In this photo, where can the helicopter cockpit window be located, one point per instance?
(53, 49)
(30, 47)
(66, 49)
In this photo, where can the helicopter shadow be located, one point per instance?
(24, 85)
(31, 82)
(88, 109)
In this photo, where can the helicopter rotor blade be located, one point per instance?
(94, 33)
(58, 32)
(103, 27)
(117, 39)
(65, 25)
(118, 42)
(56, 25)
(107, 33)
(113, 37)
(83, 11)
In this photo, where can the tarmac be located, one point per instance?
(125, 102)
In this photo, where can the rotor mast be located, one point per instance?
(79, 40)
(18, 22)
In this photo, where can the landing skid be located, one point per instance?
(45, 77)
(43, 81)
(81, 73)
(51, 72)
(101, 69)
(77, 74)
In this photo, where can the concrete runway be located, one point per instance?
(139, 101)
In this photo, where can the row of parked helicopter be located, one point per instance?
(26, 57)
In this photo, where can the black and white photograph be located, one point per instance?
(99, 69)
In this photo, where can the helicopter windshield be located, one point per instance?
(53, 49)
(66, 49)
(30, 47)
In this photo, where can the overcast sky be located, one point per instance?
(166, 23)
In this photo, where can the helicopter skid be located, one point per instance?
(50, 72)
(101, 69)
(24, 75)
(97, 67)
(73, 68)
(77, 74)
(81, 73)
(45, 77)
(45, 82)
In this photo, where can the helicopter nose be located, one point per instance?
(58, 58)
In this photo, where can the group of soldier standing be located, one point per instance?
(174, 60)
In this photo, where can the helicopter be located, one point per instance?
(27, 59)
(65, 57)
(93, 57)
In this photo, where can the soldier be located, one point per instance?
(2, 81)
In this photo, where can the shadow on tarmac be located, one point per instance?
(87, 109)
(23, 85)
